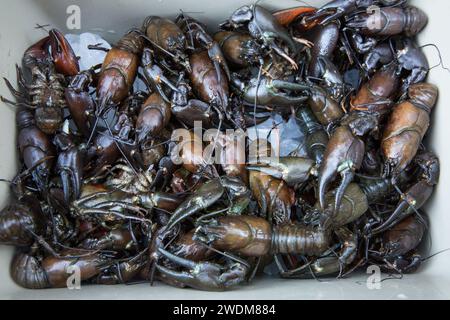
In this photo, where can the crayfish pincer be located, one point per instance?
(417, 194)
(70, 164)
(325, 108)
(316, 137)
(80, 103)
(205, 196)
(206, 276)
(358, 197)
(344, 155)
(421, 177)
(293, 170)
(268, 92)
(54, 48)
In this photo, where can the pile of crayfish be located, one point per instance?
(104, 187)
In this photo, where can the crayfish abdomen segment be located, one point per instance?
(297, 239)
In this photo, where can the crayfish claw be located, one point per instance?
(71, 185)
(347, 178)
(410, 203)
(70, 165)
(292, 170)
(324, 181)
(177, 260)
(183, 278)
(344, 155)
(204, 197)
(66, 62)
(202, 276)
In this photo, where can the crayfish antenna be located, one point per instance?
(94, 129)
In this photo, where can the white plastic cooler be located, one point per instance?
(111, 18)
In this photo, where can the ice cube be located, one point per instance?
(293, 139)
(88, 58)
(269, 130)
